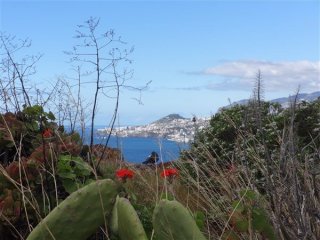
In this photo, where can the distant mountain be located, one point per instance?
(169, 118)
(285, 101)
(301, 97)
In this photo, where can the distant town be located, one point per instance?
(172, 127)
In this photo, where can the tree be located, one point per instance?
(105, 63)
(15, 72)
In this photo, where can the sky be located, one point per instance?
(198, 55)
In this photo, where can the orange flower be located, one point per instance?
(170, 172)
(124, 174)
(47, 133)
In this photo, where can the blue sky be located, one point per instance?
(198, 54)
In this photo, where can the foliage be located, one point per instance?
(37, 114)
(236, 131)
(248, 215)
(74, 172)
(35, 174)
(23, 131)
(200, 219)
(233, 124)
(273, 151)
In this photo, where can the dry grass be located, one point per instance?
(291, 187)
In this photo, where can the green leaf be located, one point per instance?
(69, 185)
(248, 194)
(81, 168)
(73, 176)
(238, 206)
(261, 223)
(76, 137)
(200, 219)
(269, 233)
(259, 219)
(88, 181)
(242, 225)
(68, 175)
(33, 126)
(51, 116)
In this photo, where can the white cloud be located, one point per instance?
(276, 75)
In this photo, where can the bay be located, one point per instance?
(137, 149)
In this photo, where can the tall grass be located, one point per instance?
(285, 182)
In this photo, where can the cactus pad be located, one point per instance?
(129, 225)
(114, 219)
(79, 215)
(172, 221)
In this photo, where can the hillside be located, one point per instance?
(169, 118)
(285, 101)
(172, 127)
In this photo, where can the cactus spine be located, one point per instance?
(172, 221)
(129, 225)
(79, 215)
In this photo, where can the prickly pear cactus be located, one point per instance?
(114, 219)
(129, 225)
(172, 221)
(79, 215)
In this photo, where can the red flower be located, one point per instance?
(47, 133)
(169, 172)
(124, 174)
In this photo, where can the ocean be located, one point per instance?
(137, 149)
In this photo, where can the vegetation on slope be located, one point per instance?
(269, 151)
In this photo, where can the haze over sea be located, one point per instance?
(136, 149)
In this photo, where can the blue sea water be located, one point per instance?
(137, 149)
